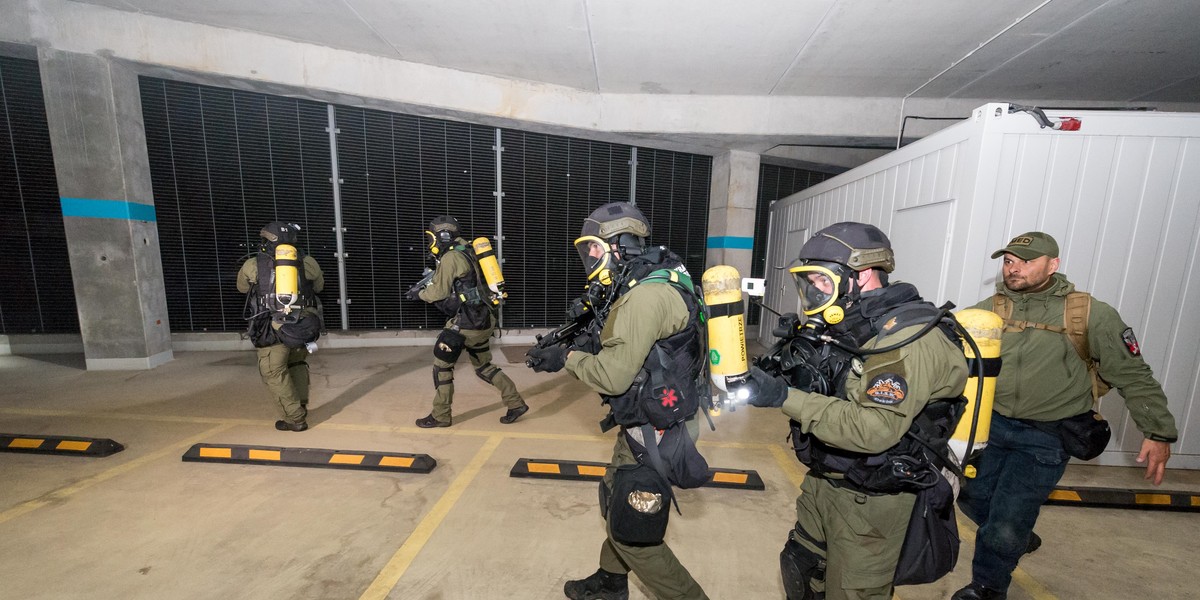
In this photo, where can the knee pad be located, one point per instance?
(438, 380)
(449, 345)
(800, 567)
(487, 371)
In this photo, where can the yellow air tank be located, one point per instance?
(287, 277)
(728, 366)
(492, 275)
(985, 327)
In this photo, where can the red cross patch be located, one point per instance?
(669, 398)
(1131, 342)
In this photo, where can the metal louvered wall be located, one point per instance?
(225, 162)
(774, 182)
(38, 295)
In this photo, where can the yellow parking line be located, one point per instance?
(400, 561)
(87, 482)
(787, 461)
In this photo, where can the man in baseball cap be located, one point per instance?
(1029, 246)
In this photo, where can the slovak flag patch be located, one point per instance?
(1131, 342)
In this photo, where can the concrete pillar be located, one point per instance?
(94, 111)
(731, 208)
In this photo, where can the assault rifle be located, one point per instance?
(426, 277)
(579, 320)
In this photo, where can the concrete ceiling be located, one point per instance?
(1060, 52)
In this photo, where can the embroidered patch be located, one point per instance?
(887, 388)
(669, 398)
(1131, 342)
(890, 324)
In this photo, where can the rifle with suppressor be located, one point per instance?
(576, 332)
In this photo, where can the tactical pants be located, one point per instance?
(656, 566)
(478, 349)
(863, 535)
(285, 371)
(1016, 472)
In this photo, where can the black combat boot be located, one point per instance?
(1035, 542)
(600, 585)
(514, 413)
(429, 421)
(282, 425)
(974, 591)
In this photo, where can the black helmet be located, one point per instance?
(279, 232)
(610, 235)
(442, 231)
(829, 260)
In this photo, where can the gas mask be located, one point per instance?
(826, 289)
(597, 258)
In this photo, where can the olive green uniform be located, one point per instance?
(453, 265)
(638, 319)
(1043, 378)
(283, 369)
(863, 534)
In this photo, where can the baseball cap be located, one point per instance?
(1029, 246)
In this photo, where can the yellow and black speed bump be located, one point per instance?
(1118, 498)
(310, 457)
(538, 468)
(58, 444)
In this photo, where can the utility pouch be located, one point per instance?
(296, 333)
(449, 345)
(639, 506)
(1085, 435)
(930, 548)
(260, 332)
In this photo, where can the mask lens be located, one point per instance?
(593, 253)
(817, 287)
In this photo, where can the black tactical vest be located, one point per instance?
(466, 300)
(668, 388)
(912, 463)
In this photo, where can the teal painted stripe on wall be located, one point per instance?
(107, 209)
(731, 241)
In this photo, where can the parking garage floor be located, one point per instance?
(142, 523)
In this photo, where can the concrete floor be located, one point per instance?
(144, 524)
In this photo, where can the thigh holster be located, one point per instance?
(449, 345)
(442, 376)
(639, 506)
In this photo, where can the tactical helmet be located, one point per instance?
(828, 263)
(279, 232)
(612, 234)
(857, 245)
(442, 231)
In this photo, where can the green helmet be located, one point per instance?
(828, 261)
(442, 231)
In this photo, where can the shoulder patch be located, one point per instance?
(1131, 342)
(888, 389)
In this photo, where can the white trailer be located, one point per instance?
(1121, 195)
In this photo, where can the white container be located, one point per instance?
(1121, 195)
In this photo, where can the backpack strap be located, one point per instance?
(1077, 310)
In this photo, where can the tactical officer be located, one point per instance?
(281, 324)
(648, 362)
(1044, 381)
(457, 290)
(853, 409)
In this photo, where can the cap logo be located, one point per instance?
(1021, 240)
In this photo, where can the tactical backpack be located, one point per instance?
(1076, 310)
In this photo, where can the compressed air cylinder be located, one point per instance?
(287, 276)
(722, 287)
(492, 275)
(985, 327)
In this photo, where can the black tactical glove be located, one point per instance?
(413, 293)
(766, 391)
(547, 360)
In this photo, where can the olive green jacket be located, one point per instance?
(639, 318)
(1043, 379)
(452, 265)
(886, 395)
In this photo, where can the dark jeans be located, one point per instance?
(1016, 473)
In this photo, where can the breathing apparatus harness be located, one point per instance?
(276, 309)
(816, 357)
(466, 300)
